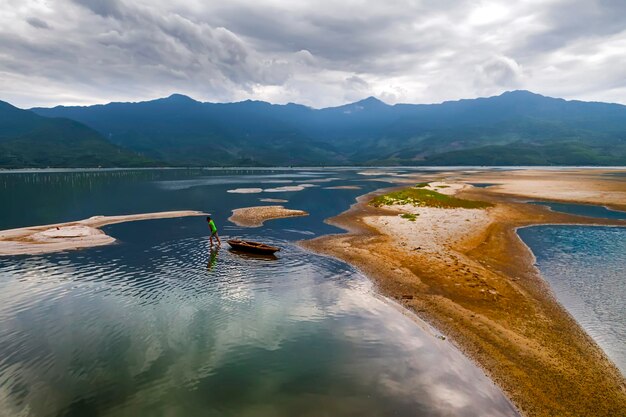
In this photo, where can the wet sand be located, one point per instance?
(467, 273)
(72, 235)
(256, 216)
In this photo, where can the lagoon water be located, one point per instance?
(159, 325)
(586, 268)
(586, 210)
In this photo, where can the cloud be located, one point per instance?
(104, 8)
(37, 23)
(499, 71)
(318, 54)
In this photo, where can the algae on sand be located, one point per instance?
(426, 198)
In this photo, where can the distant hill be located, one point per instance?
(30, 140)
(182, 131)
(514, 128)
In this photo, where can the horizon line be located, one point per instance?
(315, 108)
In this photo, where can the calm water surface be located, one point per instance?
(586, 210)
(586, 268)
(483, 184)
(159, 325)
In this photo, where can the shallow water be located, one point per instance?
(158, 324)
(586, 269)
(587, 210)
(483, 184)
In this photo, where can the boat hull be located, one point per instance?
(252, 247)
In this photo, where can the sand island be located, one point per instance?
(343, 187)
(72, 235)
(449, 252)
(256, 216)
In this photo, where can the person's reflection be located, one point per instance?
(212, 257)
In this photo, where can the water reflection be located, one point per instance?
(585, 267)
(213, 252)
(162, 324)
(300, 333)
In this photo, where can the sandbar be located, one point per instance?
(256, 216)
(376, 173)
(245, 190)
(72, 235)
(286, 188)
(466, 272)
(600, 186)
(273, 200)
(343, 187)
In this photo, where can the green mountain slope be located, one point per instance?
(520, 153)
(30, 140)
(182, 131)
(513, 128)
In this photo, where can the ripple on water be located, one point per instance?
(585, 267)
(179, 329)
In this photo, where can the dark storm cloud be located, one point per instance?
(317, 53)
(104, 8)
(164, 39)
(342, 36)
(37, 23)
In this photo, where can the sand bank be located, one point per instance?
(71, 235)
(256, 216)
(273, 200)
(600, 186)
(466, 272)
(343, 187)
(245, 190)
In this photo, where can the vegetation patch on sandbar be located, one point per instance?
(421, 197)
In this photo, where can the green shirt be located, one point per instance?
(212, 226)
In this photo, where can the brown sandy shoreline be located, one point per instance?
(474, 279)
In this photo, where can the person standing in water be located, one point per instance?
(213, 229)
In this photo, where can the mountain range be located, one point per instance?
(514, 128)
(30, 140)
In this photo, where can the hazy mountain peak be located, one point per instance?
(521, 94)
(6, 105)
(371, 101)
(180, 98)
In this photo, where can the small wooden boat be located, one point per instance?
(253, 247)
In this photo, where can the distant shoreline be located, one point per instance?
(266, 167)
(474, 279)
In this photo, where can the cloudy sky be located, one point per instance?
(319, 53)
